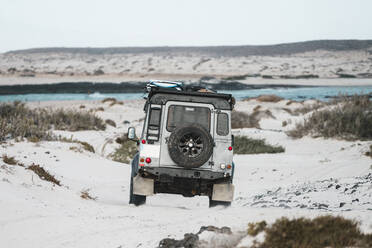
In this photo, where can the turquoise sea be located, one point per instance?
(301, 93)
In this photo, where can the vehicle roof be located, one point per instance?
(218, 100)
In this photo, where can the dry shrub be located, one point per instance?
(112, 101)
(9, 160)
(100, 109)
(116, 102)
(304, 110)
(256, 228)
(84, 194)
(244, 145)
(16, 120)
(256, 108)
(75, 149)
(269, 98)
(307, 109)
(267, 113)
(323, 231)
(43, 174)
(369, 153)
(109, 99)
(349, 118)
(289, 111)
(75, 121)
(110, 122)
(126, 151)
(242, 120)
(86, 146)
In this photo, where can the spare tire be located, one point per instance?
(190, 146)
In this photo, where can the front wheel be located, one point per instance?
(137, 200)
(218, 203)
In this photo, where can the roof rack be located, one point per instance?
(177, 90)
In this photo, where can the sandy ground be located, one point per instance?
(313, 177)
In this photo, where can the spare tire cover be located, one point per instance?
(190, 146)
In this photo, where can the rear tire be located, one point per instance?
(190, 146)
(218, 203)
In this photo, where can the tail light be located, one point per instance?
(230, 148)
(148, 160)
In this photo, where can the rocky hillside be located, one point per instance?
(228, 51)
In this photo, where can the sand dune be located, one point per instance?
(314, 176)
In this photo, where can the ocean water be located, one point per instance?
(68, 97)
(301, 93)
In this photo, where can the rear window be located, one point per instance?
(222, 124)
(183, 115)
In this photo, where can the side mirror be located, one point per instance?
(131, 133)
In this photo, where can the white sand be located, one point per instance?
(300, 182)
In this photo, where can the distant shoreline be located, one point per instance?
(123, 87)
(90, 85)
(187, 78)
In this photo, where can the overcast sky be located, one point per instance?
(81, 23)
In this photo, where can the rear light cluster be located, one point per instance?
(224, 166)
(230, 148)
(143, 160)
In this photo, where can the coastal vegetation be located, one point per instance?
(323, 231)
(43, 174)
(245, 145)
(241, 119)
(348, 118)
(84, 194)
(126, 151)
(9, 160)
(17, 121)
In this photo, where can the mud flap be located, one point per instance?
(143, 186)
(223, 192)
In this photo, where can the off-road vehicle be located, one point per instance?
(186, 146)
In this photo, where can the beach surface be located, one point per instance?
(313, 177)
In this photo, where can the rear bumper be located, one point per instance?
(186, 182)
(184, 173)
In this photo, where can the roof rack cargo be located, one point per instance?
(157, 84)
(174, 85)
